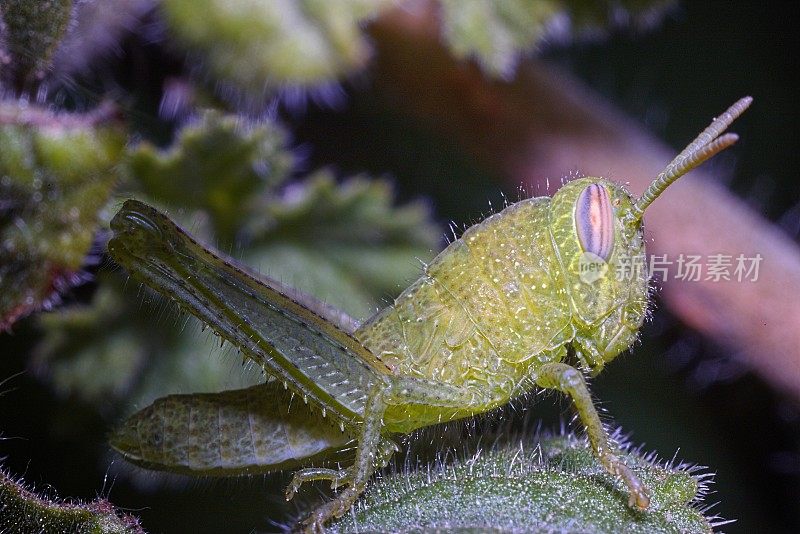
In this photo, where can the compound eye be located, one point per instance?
(594, 220)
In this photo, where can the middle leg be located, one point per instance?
(374, 447)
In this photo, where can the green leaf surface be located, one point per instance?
(120, 351)
(253, 45)
(555, 485)
(361, 248)
(220, 164)
(256, 44)
(497, 33)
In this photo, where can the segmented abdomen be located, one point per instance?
(258, 429)
(490, 300)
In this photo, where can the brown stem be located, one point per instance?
(544, 124)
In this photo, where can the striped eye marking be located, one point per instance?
(594, 220)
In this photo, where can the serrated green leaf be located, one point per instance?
(219, 164)
(87, 351)
(120, 349)
(56, 175)
(556, 485)
(255, 44)
(344, 243)
(497, 32)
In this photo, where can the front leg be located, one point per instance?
(569, 380)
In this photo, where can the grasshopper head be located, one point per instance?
(601, 248)
(597, 230)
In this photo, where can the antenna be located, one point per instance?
(705, 146)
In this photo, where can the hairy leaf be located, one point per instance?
(254, 45)
(495, 32)
(22, 510)
(556, 485)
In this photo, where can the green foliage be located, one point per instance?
(33, 30)
(235, 173)
(555, 486)
(220, 164)
(497, 33)
(80, 361)
(252, 42)
(56, 174)
(115, 350)
(253, 45)
(22, 510)
(361, 247)
(232, 176)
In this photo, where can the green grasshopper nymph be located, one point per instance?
(529, 298)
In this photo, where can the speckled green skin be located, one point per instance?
(506, 298)
(236, 432)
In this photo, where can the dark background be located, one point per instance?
(675, 392)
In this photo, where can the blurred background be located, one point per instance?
(265, 175)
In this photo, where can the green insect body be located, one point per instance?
(532, 297)
(506, 299)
